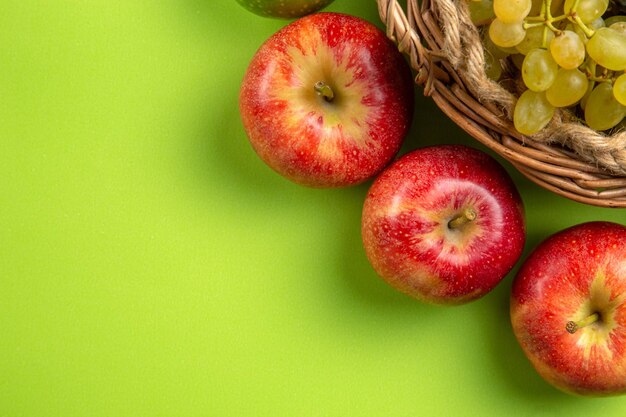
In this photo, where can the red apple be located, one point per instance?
(568, 309)
(443, 224)
(286, 9)
(327, 100)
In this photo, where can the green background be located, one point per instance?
(151, 265)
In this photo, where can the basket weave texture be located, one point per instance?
(446, 53)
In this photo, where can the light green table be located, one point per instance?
(151, 265)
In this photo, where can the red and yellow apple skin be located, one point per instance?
(567, 278)
(286, 9)
(411, 232)
(349, 127)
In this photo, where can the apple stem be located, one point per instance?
(572, 326)
(323, 90)
(467, 216)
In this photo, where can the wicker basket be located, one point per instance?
(417, 32)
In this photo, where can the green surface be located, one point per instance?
(151, 265)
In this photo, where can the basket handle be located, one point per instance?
(403, 30)
(400, 30)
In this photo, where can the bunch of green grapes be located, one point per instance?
(569, 54)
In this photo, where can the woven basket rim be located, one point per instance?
(418, 34)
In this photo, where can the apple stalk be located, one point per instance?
(324, 90)
(462, 219)
(572, 326)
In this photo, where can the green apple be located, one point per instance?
(286, 9)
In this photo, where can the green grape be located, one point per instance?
(603, 111)
(492, 48)
(587, 10)
(596, 24)
(506, 35)
(614, 19)
(619, 89)
(507, 51)
(493, 69)
(539, 70)
(511, 11)
(568, 49)
(534, 39)
(583, 101)
(556, 7)
(568, 88)
(619, 26)
(608, 48)
(481, 11)
(532, 112)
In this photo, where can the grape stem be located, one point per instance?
(588, 31)
(533, 25)
(549, 18)
(544, 38)
(545, 18)
(532, 19)
(599, 79)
